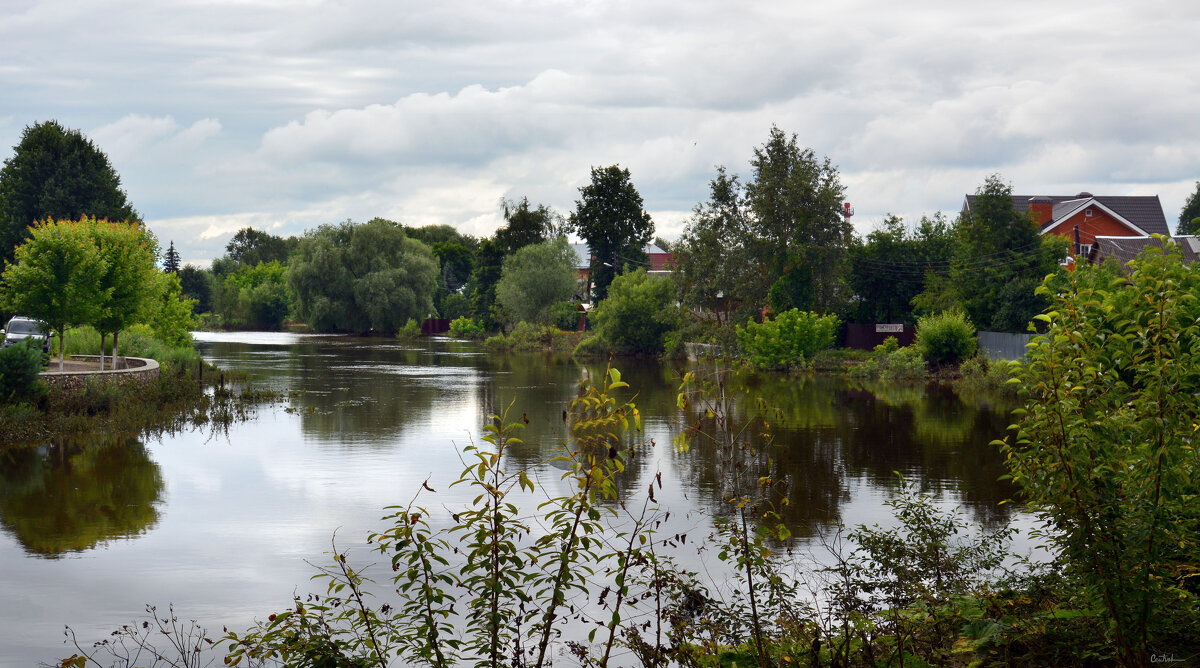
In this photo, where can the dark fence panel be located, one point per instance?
(1002, 345)
(433, 326)
(867, 335)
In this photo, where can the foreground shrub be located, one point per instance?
(20, 365)
(1105, 455)
(788, 340)
(946, 338)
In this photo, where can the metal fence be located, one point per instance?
(1002, 345)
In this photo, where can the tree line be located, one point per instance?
(779, 239)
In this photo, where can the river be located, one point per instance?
(222, 524)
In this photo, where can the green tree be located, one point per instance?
(57, 277)
(799, 226)
(489, 264)
(171, 259)
(535, 279)
(255, 296)
(1105, 453)
(895, 264)
(1189, 216)
(196, 284)
(524, 225)
(250, 247)
(128, 251)
(171, 316)
(639, 313)
(610, 218)
(1001, 259)
(362, 277)
(56, 173)
(713, 257)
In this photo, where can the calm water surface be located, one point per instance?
(221, 524)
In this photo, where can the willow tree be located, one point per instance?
(362, 277)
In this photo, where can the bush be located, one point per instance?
(787, 341)
(593, 347)
(946, 338)
(20, 365)
(891, 362)
(463, 327)
(565, 316)
(410, 331)
(638, 313)
(1105, 453)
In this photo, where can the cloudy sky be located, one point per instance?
(285, 114)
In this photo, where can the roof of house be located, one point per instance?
(660, 259)
(1144, 212)
(1128, 248)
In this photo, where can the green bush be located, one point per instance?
(593, 347)
(946, 338)
(497, 343)
(1105, 455)
(789, 340)
(638, 313)
(20, 365)
(463, 327)
(410, 331)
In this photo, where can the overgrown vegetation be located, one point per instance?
(788, 340)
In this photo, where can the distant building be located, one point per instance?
(660, 262)
(1085, 217)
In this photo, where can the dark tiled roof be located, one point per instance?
(1145, 211)
(1128, 248)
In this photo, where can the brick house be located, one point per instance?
(1084, 217)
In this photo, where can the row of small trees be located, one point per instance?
(98, 273)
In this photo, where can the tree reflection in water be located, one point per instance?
(68, 496)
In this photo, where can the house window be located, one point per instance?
(1084, 250)
(1087, 213)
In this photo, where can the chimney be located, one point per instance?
(1041, 209)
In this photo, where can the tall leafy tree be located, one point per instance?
(489, 264)
(799, 226)
(56, 173)
(250, 247)
(894, 264)
(1001, 259)
(362, 277)
(524, 224)
(536, 278)
(1189, 216)
(713, 258)
(196, 284)
(610, 218)
(57, 277)
(128, 251)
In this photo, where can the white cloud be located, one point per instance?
(289, 115)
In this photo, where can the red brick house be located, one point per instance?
(1083, 217)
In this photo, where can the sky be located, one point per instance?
(284, 115)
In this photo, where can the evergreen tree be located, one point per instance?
(171, 259)
(1189, 216)
(59, 174)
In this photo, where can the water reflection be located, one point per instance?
(68, 496)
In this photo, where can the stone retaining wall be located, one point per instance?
(138, 370)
